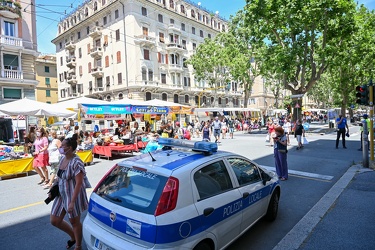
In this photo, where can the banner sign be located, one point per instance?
(110, 109)
(149, 110)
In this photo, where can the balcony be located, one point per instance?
(175, 47)
(99, 89)
(173, 27)
(145, 40)
(71, 62)
(96, 32)
(11, 41)
(96, 52)
(70, 45)
(72, 79)
(11, 74)
(10, 10)
(97, 72)
(175, 68)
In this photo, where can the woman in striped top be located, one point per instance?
(73, 197)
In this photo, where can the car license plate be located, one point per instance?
(100, 245)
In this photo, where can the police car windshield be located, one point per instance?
(133, 188)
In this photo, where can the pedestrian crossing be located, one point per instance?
(303, 174)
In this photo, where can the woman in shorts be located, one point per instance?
(41, 155)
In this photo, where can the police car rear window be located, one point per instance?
(133, 188)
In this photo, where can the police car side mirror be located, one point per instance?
(265, 178)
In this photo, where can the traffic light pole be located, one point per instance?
(371, 128)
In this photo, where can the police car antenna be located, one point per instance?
(153, 159)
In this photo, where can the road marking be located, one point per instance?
(21, 207)
(89, 191)
(301, 173)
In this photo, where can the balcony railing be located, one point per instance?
(12, 74)
(96, 32)
(176, 47)
(10, 9)
(11, 40)
(96, 52)
(145, 40)
(70, 45)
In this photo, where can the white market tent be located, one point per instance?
(29, 107)
(74, 103)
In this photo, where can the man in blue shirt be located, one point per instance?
(341, 125)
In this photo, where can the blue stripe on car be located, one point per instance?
(182, 161)
(171, 232)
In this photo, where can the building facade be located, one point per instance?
(18, 50)
(46, 75)
(112, 49)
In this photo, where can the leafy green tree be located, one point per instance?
(210, 65)
(299, 37)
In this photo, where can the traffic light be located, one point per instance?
(362, 95)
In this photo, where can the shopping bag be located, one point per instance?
(305, 141)
(267, 138)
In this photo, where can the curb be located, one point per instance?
(297, 235)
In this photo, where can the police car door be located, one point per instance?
(218, 204)
(253, 192)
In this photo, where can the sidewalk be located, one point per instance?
(342, 219)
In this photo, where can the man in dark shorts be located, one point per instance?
(216, 125)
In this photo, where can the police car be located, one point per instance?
(187, 195)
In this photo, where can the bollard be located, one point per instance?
(365, 144)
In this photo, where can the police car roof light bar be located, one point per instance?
(200, 146)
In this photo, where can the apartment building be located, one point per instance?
(112, 49)
(46, 75)
(18, 50)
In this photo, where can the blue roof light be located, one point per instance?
(199, 146)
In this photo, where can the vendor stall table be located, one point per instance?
(13, 167)
(86, 156)
(106, 151)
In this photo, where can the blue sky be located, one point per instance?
(49, 13)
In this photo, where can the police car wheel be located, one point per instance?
(273, 207)
(203, 246)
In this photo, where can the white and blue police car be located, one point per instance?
(187, 195)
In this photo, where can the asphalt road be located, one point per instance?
(24, 218)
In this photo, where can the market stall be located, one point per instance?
(86, 156)
(16, 166)
(106, 151)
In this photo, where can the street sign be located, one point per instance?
(297, 106)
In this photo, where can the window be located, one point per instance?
(160, 18)
(117, 35)
(104, 20)
(119, 78)
(164, 97)
(108, 81)
(46, 69)
(193, 30)
(209, 35)
(89, 67)
(182, 8)
(47, 81)
(161, 37)
(148, 96)
(183, 26)
(87, 30)
(171, 4)
(144, 74)
(80, 88)
(99, 82)
(61, 61)
(145, 31)
(90, 85)
(88, 48)
(118, 55)
(201, 33)
(183, 44)
(61, 77)
(80, 70)
(9, 28)
(150, 75)
(79, 52)
(184, 64)
(116, 14)
(105, 40)
(194, 46)
(212, 180)
(107, 61)
(10, 93)
(171, 21)
(146, 54)
(144, 11)
(60, 45)
(192, 14)
(163, 78)
(187, 99)
(48, 93)
(161, 58)
(86, 11)
(78, 35)
(246, 172)
(95, 6)
(63, 93)
(175, 98)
